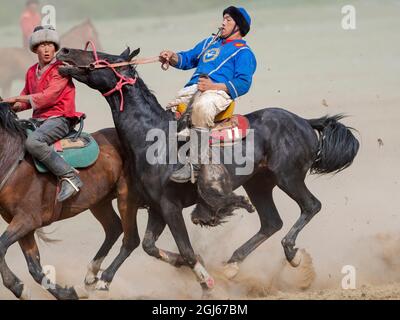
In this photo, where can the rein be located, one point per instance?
(123, 81)
(12, 169)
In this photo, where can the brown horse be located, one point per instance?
(27, 202)
(14, 62)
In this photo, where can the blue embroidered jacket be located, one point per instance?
(232, 63)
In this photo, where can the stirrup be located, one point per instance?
(184, 134)
(71, 183)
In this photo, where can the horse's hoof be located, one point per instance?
(295, 262)
(231, 270)
(90, 282)
(300, 274)
(102, 285)
(81, 292)
(26, 294)
(100, 295)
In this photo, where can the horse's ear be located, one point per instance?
(125, 54)
(134, 54)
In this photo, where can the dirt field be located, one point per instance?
(309, 65)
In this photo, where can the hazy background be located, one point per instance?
(307, 64)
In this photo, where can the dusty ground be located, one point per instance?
(309, 65)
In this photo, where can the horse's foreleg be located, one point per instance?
(128, 205)
(105, 214)
(155, 226)
(259, 189)
(173, 217)
(309, 205)
(20, 225)
(32, 257)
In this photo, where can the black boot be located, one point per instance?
(199, 154)
(188, 172)
(70, 182)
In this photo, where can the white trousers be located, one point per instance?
(206, 105)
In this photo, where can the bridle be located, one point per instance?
(123, 80)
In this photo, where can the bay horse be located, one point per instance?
(28, 202)
(15, 62)
(286, 147)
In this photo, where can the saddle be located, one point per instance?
(78, 148)
(229, 128)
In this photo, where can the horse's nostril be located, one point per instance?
(65, 51)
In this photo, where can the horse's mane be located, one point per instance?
(148, 95)
(9, 121)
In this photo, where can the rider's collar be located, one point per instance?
(225, 41)
(41, 69)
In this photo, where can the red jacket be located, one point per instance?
(51, 94)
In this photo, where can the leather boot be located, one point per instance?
(199, 154)
(70, 182)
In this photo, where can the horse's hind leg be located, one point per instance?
(259, 189)
(105, 214)
(128, 205)
(31, 253)
(294, 186)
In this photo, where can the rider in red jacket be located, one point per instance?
(52, 98)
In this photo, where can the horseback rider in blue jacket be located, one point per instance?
(224, 66)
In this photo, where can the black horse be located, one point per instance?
(285, 147)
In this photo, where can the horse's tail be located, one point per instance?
(43, 236)
(337, 145)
